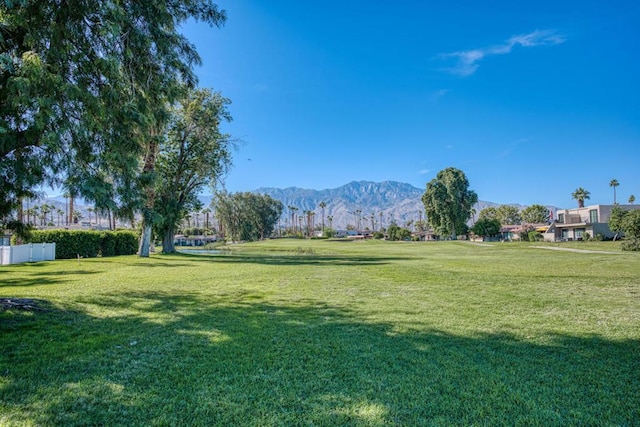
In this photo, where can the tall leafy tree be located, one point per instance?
(616, 220)
(448, 202)
(247, 216)
(614, 183)
(84, 91)
(193, 154)
(581, 195)
(509, 215)
(488, 213)
(535, 214)
(632, 199)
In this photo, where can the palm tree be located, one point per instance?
(60, 212)
(632, 199)
(30, 212)
(293, 210)
(330, 219)
(357, 213)
(322, 206)
(614, 183)
(89, 210)
(581, 195)
(381, 215)
(206, 213)
(44, 210)
(77, 216)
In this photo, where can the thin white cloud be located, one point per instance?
(467, 61)
(513, 146)
(438, 94)
(424, 171)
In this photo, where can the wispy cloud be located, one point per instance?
(467, 62)
(513, 146)
(438, 94)
(424, 171)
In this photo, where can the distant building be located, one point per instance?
(573, 224)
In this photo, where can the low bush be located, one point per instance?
(534, 236)
(631, 244)
(126, 242)
(87, 243)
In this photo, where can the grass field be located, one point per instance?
(296, 332)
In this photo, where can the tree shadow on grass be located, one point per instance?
(189, 360)
(39, 278)
(280, 258)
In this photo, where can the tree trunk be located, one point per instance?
(145, 240)
(71, 207)
(167, 242)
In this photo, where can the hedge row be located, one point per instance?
(88, 243)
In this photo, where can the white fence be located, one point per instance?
(27, 253)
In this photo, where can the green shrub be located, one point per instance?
(632, 244)
(126, 242)
(87, 243)
(534, 236)
(107, 243)
(378, 235)
(329, 232)
(586, 237)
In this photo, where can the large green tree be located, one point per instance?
(488, 213)
(631, 228)
(247, 216)
(84, 90)
(193, 154)
(535, 214)
(616, 220)
(448, 202)
(509, 215)
(486, 227)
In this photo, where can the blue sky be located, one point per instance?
(531, 100)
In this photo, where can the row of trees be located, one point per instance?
(100, 98)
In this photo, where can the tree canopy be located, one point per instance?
(535, 214)
(247, 216)
(488, 213)
(616, 220)
(448, 202)
(485, 227)
(84, 86)
(193, 154)
(509, 215)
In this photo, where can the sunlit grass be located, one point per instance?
(296, 332)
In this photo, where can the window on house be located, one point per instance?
(593, 215)
(578, 233)
(561, 218)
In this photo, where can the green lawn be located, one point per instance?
(296, 332)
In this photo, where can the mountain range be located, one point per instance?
(358, 200)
